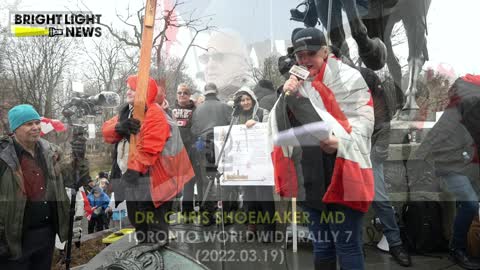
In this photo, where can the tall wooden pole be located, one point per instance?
(143, 69)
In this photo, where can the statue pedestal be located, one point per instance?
(400, 131)
(126, 254)
(402, 162)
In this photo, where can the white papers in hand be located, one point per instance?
(309, 134)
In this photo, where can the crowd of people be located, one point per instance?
(175, 155)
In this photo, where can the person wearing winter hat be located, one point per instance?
(34, 205)
(334, 176)
(20, 115)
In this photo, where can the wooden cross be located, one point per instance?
(143, 69)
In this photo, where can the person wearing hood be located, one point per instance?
(266, 94)
(258, 199)
(183, 113)
(248, 110)
(453, 147)
(99, 202)
(156, 172)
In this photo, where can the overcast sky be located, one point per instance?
(453, 38)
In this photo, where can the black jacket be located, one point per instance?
(266, 97)
(210, 114)
(268, 101)
(115, 172)
(315, 165)
(183, 116)
(452, 144)
(381, 130)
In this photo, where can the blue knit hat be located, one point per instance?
(21, 114)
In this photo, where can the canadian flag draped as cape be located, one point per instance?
(341, 97)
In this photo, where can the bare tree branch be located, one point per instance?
(197, 32)
(36, 67)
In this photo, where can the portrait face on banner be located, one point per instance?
(226, 62)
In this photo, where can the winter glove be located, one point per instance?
(79, 147)
(127, 127)
(131, 177)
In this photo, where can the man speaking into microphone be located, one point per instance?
(334, 175)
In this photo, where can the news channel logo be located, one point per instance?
(52, 24)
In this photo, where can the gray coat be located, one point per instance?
(451, 142)
(13, 200)
(449, 145)
(208, 115)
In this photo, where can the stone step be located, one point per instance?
(409, 131)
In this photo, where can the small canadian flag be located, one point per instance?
(86, 204)
(48, 125)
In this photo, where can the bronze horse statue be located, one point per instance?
(371, 24)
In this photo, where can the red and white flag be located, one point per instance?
(47, 125)
(341, 98)
(86, 204)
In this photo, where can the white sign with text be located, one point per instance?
(246, 160)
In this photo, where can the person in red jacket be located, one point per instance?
(156, 172)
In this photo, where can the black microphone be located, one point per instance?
(236, 109)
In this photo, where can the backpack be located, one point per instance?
(422, 229)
